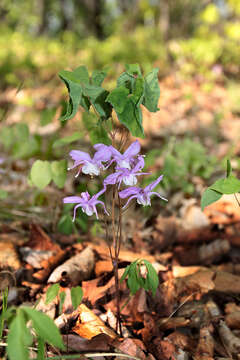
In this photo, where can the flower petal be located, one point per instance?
(131, 197)
(112, 179)
(139, 165)
(85, 196)
(115, 152)
(103, 153)
(104, 207)
(79, 155)
(133, 149)
(100, 192)
(153, 184)
(72, 200)
(75, 211)
(133, 190)
(159, 195)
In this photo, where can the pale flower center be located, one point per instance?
(124, 164)
(130, 180)
(88, 210)
(143, 200)
(91, 169)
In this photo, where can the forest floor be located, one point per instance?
(196, 311)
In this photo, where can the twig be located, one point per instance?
(237, 199)
(184, 302)
(89, 355)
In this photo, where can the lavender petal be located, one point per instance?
(133, 190)
(132, 150)
(72, 200)
(79, 155)
(153, 184)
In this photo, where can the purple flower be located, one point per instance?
(128, 177)
(103, 153)
(126, 159)
(87, 203)
(91, 166)
(143, 196)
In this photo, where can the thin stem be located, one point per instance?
(118, 325)
(126, 140)
(237, 199)
(108, 130)
(113, 216)
(115, 263)
(121, 143)
(119, 226)
(92, 355)
(107, 234)
(126, 302)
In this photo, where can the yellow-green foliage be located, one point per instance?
(22, 55)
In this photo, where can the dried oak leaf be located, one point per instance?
(89, 325)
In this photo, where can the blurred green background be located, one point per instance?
(196, 46)
(42, 36)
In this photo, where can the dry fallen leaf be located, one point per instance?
(50, 264)
(224, 211)
(77, 268)
(8, 256)
(77, 343)
(89, 325)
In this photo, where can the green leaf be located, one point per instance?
(131, 117)
(126, 80)
(19, 338)
(44, 327)
(75, 94)
(82, 222)
(118, 98)
(152, 91)
(138, 91)
(59, 172)
(51, 293)
(41, 174)
(62, 297)
(26, 149)
(47, 116)
(229, 168)
(40, 349)
(209, 196)
(152, 277)
(133, 281)
(133, 69)
(98, 76)
(229, 185)
(67, 139)
(92, 91)
(65, 224)
(74, 80)
(81, 74)
(7, 137)
(98, 96)
(97, 132)
(21, 132)
(76, 296)
(99, 135)
(3, 194)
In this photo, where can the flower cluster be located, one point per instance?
(128, 166)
